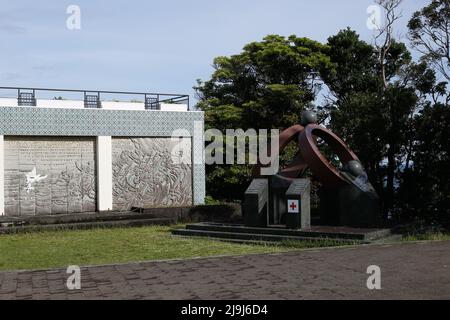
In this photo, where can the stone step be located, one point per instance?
(315, 232)
(86, 225)
(76, 218)
(245, 236)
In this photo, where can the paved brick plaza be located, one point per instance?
(409, 270)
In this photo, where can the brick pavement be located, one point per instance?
(409, 270)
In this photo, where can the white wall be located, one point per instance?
(173, 107)
(79, 104)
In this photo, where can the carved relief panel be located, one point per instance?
(49, 175)
(151, 172)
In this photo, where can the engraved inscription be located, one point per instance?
(49, 175)
(148, 172)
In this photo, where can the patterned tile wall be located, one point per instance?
(38, 121)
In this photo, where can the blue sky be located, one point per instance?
(156, 46)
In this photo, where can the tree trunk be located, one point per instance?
(390, 179)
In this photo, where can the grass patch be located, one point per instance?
(427, 236)
(319, 243)
(52, 249)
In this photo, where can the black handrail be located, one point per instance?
(158, 97)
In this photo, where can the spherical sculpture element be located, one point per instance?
(308, 117)
(354, 167)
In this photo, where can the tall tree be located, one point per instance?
(384, 37)
(266, 86)
(425, 188)
(352, 101)
(372, 102)
(429, 32)
(269, 83)
(392, 96)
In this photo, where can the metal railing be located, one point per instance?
(93, 98)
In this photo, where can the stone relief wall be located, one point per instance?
(49, 175)
(41, 121)
(151, 172)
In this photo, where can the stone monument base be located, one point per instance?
(349, 206)
(241, 233)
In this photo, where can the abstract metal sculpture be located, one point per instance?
(347, 197)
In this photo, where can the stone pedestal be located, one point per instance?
(298, 205)
(255, 208)
(349, 206)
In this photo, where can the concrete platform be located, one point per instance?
(110, 219)
(279, 233)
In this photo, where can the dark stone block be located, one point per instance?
(277, 199)
(358, 208)
(328, 208)
(255, 206)
(349, 206)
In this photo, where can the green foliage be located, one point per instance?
(438, 236)
(318, 243)
(393, 112)
(228, 182)
(353, 62)
(210, 201)
(429, 31)
(425, 188)
(372, 119)
(385, 131)
(266, 86)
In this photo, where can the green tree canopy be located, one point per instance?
(268, 84)
(390, 110)
(429, 31)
